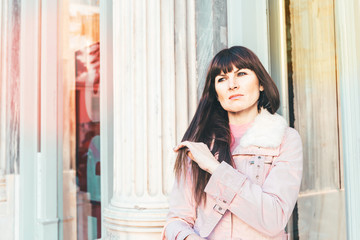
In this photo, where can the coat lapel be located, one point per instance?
(267, 131)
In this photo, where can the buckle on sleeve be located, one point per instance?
(219, 209)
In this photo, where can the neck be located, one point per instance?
(243, 117)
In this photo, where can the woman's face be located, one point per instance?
(238, 90)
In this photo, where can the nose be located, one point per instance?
(233, 84)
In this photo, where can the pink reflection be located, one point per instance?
(87, 71)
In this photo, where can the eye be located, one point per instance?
(239, 74)
(221, 79)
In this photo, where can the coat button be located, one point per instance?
(258, 166)
(259, 157)
(224, 201)
(257, 176)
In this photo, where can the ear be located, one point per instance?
(261, 88)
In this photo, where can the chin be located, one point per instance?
(234, 110)
(237, 109)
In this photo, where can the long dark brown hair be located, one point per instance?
(210, 123)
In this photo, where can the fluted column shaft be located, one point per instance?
(154, 83)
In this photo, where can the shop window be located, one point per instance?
(80, 53)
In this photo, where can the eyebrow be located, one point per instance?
(238, 70)
(224, 74)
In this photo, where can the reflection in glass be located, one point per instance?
(80, 55)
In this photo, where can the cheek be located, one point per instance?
(254, 96)
(220, 93)
(254, 89)
(256, 93)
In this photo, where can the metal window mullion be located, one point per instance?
(106, 105)
(278, 53)
(29, 76)
(47, 177)
(248, 27)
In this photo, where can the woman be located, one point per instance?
(239, 167)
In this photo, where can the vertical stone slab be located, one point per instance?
(13, 86)
(211, 34)
(316, 118)
(348, 54)
(315, 90)
(9, 31)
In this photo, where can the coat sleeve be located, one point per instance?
(182, 210)
(266, 208)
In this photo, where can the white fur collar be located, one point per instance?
(267, 131)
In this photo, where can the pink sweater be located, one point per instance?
(237, 131)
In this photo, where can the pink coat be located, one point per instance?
(249, 202)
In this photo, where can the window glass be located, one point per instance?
(80, 59)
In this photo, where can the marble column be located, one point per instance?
(154, 81)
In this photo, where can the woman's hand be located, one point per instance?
(193, 237)
(200, 153)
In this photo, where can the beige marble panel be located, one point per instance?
(315, 91)
(321, 206)
(322, 216)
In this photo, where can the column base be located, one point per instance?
(130, 223)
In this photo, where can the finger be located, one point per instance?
(190, 155)
(178, 147)
(181, 145)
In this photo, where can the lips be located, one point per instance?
(235, 96)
